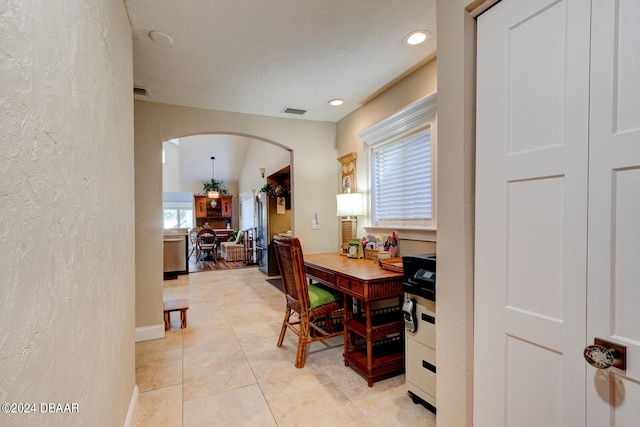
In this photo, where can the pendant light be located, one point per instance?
(213, 194)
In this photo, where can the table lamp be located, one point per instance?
(349, 206)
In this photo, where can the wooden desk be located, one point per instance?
(373, 338)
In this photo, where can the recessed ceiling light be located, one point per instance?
(161, 38)
(336, 102)
(417, 37)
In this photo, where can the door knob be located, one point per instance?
(605, 354)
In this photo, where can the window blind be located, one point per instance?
(401, 180)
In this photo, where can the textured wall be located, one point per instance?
(66, 210)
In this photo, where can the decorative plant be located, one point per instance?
(233, 235)
(214, 185)
(273, 190)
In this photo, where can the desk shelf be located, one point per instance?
(384, 322)
(380, 330)
(387, 355)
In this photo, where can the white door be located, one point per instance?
(531, 214)
(557, 211)
(613, 286)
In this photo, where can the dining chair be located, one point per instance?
(193, 239)
(308, 304)
(206, 242)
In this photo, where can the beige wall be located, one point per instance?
(456, 159)
(261, 155)
(412, 88)
(171, 171)
(314, 180)
(67, 282)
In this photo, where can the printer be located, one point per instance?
(420, 275)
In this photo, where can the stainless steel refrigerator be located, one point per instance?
(270, 223)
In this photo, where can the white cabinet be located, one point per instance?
(420, 353)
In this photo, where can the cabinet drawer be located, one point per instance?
(425, 313)
(421, 365)
(322, 275)
(351, 286)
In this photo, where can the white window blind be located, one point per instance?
(403, 182)
(401, 176)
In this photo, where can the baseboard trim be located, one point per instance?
(133, 407)
(146, 333)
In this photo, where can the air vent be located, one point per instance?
(137, 90)
(294, 111)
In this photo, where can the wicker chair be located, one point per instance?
(309, 302)
(206, 242)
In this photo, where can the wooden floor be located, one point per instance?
(219, 264)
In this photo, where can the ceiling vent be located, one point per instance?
(137, 90)
(294, 111)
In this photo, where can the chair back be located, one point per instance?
(193, 234)
(292, 271)
(206, 238)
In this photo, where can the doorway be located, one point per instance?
(240, 163)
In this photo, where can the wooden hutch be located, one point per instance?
(217, 212)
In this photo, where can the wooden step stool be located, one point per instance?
(181, 305)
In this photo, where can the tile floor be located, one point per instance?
(224, 369)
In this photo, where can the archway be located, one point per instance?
(314, 170)
(244, 164)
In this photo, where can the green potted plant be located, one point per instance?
(233, 235)
(273, 190)
(214, 185)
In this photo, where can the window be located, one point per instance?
(401, 180)
(400, 150)
(178, 210)
(178, 218)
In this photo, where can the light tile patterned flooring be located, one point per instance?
(224, 369)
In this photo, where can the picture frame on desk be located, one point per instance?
(354, 250)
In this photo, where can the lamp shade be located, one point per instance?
(349, 204)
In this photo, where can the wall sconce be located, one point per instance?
(262, 172)
(349, 206)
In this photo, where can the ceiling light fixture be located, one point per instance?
(336, 102)
(161, 38)
(417, 37)
(214, 194)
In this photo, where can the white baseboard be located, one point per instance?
(146, 333)
(133, 406)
